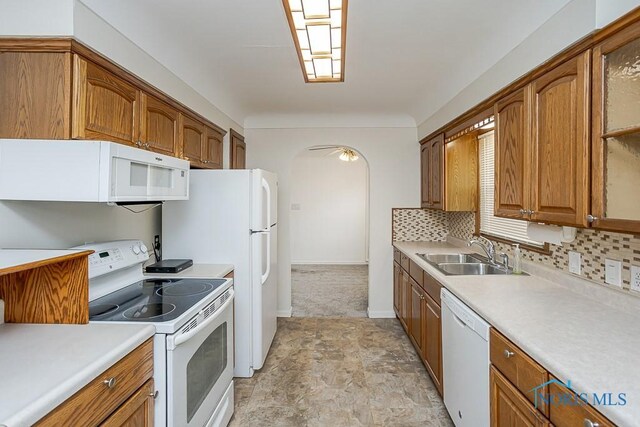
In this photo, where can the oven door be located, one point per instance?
(200, 364)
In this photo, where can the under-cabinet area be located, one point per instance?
(310, 213)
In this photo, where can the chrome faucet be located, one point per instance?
(488, 249)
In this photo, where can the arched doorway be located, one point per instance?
(329, 229)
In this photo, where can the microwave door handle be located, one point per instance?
(265, 276)
(182, 338)
(267, 190)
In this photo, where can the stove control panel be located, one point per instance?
(116, 255)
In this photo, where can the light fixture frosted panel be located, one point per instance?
(323, 67)
(319, 39)
(318, 28)
(314, 9)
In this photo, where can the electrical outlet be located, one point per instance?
(635, 278)
(575, 262)
(613, 272)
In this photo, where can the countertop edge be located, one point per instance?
(54, 397)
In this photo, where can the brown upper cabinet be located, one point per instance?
(432, 172)
(159, 128)
(511, 156)
(57, 88)
(104, 105)
(542, 147)
(616, 132)
(461, 174)
(238, 150)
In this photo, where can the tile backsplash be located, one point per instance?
(417, 225)
(594, 245)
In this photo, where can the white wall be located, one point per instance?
(63, 225)
(608, 11)
(329, 221)
(36, 17)
(393, 158)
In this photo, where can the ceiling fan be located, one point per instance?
(346, 154)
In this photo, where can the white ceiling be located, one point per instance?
(405, 57)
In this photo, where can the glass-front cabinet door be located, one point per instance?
(616, 132)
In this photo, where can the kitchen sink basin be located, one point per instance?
(450, 258)
(471, 269)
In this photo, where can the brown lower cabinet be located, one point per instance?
(123, 395)
(508, 407)
(416, 299)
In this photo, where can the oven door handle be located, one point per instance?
(172, 342)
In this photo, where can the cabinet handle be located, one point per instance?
(591, 218)
(146, 144)
(110, 383)
(508, 353)
(522, 212)
(588, 423)
(530, 212)
(154, 394)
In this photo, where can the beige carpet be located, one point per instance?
(329, 290)
(339, 372)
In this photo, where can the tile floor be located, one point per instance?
(331, 372)
(329, 290)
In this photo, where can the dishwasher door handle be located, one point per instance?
(459, 320)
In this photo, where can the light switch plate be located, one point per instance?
(613, 272)
(635, 278)
(575, 262)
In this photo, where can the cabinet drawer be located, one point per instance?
(416, 273)
(518, 368)
(509, 407)
(96, 401)
(396, 256)
(432, 286)
(577, 413)
(404, 262)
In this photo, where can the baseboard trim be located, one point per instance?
(285, 313)
(381, 314)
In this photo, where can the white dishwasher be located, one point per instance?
(465, 363)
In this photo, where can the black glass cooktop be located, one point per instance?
(152, 300)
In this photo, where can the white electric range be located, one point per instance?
(193, 317)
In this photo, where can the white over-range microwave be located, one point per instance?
(88, 171)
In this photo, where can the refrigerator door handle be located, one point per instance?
(265, 276)
(267, 190)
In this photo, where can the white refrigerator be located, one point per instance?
(231, 218)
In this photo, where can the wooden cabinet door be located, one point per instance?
(511, 151)
(406, 301)
(397, 289)
(238, 150)
(192, 140)
(432, 339)
(212, 151)
(509, 408)
(137, 411)
(461, 174)
(616, 132)
(436, 172)
(159, 126)
(425, 166)
(560, 143)
(417, 295)
(104, 105)
(574, 412)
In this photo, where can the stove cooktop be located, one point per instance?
(152, 300)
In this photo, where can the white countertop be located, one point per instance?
(198, 271)
(14, 257)
(577, 332)
(41, 366)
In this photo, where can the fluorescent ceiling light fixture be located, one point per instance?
(319, 29)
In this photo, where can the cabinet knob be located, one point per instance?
(508, 353)
(110, 383)
(530, 212)
(522, 212)
(588, 423)
(154, 394)
(591, 218)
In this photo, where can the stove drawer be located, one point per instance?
(102, 396)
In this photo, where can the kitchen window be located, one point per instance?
(512, 230)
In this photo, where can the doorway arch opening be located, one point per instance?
(329, 229)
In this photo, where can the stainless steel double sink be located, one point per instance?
(464, 264)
